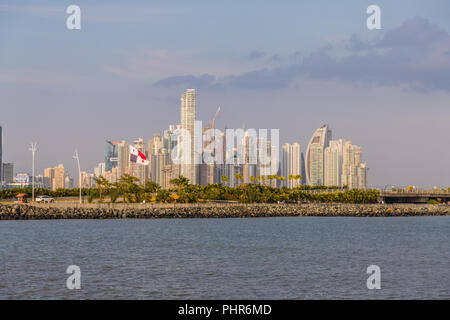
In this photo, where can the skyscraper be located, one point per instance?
(188, 114)
(60, 176)
(100, 169)
(315, 155)
(362, 176)
(123, 159)
(8, 172)
(333, 163)
(291, 164)
(55, 177)
(354, 171)
(111, 155)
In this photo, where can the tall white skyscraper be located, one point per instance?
(315, 156)
(100, 169)
(188, 114)
(123, 159)
(354, 171)
(291, 164)
(333, 162)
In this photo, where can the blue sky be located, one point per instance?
(292, 65)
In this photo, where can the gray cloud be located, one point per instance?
(202, 81)
(415, 55)
(256, 54)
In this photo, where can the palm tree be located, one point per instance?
(128, 184)
(238, 176)
(102, 184)
(181, 182)
(260, 178)
(224, 178)
(151, 186)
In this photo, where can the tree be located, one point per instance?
(151, 186)
(180, 182)
(224, 178)
(238, 176)
(128, 184)
(163, 196)
(103, 185)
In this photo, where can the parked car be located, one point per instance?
(44, 199)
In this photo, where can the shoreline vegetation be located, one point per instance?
(129, 190)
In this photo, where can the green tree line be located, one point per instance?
(128, 189)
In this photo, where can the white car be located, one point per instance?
(44, 199)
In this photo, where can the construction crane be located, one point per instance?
(213, 120)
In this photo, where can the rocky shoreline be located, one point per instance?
(32, 212)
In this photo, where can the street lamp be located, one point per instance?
(33, 149)
(79, 171)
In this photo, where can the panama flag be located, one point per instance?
(137, 157)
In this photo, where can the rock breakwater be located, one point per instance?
(148, 211)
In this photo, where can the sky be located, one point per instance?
(291, 65)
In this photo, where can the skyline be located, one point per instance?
(64, 92)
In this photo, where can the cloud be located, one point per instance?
(415, 54)
(254, 55)
(202, 81)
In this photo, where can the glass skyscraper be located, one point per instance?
(111, 155)
(315, 156)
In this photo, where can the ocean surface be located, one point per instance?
(260, 258)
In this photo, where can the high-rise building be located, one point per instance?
(168, 144)
(8, 172)
(60, 176)
(123, 159)
(111, 155)
(68, 183)
(354, 171)
(315, 155)
(55, 177)
(188, 115)
(291, 164)
(155, 145)
(49, 175)
(303, 169)
(100, 169)
(362, 176)
(87, 180)
(333, 163)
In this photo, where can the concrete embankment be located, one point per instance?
(121, 211)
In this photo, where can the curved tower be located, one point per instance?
(315, 156)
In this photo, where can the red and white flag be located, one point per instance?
(137, 157)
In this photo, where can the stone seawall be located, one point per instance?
(73, 211)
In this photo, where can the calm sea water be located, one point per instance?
(263, 258)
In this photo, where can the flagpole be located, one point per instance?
(33, 151)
